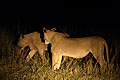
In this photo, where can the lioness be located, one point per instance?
(32, 40)
(62, 45)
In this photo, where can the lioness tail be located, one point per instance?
(106, 46)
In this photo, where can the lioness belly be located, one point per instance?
(79, 54)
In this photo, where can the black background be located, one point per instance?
(101, 17)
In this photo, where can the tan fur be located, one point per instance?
(32, 40)
(62, 45)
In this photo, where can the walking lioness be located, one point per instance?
(33, 41)
(62, 45)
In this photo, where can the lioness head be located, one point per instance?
(47, 36)
(28, 39)
(23, 41)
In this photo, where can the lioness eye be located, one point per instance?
(21, 36)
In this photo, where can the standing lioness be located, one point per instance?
(62, 45)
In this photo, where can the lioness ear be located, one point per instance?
(53, 29)
(44, 30)
(21, 36)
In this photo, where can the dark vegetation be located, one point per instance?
(14, 67)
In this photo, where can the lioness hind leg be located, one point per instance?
(99, 56)
(56, 61)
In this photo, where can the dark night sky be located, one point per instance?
(96, 15)
(26, 12)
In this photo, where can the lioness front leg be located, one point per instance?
(59, 61)
(30, 55)
(56, 61)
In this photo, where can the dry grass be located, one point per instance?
(14, 67)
